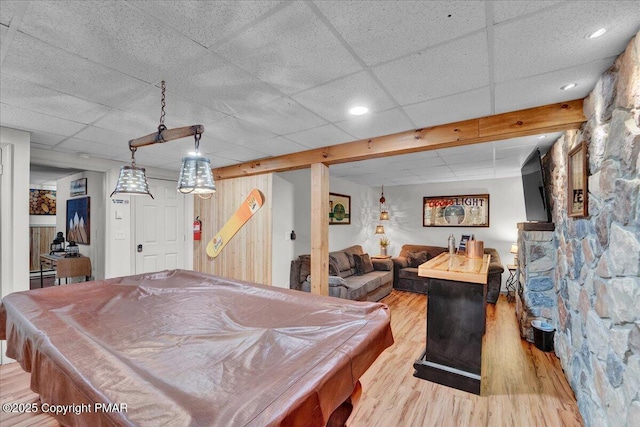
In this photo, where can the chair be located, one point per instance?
(73, 267)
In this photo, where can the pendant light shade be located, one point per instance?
(384, 213)
(132, 180)
(379, 229)
(195, 176)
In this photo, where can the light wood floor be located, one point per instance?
(521, 385)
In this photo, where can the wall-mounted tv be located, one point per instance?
(535, 196)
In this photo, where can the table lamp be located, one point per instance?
(514, 250)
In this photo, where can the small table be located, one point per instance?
(511, 282)
(455, 321)
(381, 257)
(80, 265)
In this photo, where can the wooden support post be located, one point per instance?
(319, 229)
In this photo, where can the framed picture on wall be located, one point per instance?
(78, 187)
(42, 202)
(339, 209)
(577, 188)
(79, 221)
(456, 211)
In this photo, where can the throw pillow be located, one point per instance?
(414, 259)
(382, 264)
(334, 268)
(363, 263)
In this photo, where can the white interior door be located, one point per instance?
(159, 228)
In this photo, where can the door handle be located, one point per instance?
(139, 248)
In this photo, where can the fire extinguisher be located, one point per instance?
(197, 229)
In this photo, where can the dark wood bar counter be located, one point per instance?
(455, 321)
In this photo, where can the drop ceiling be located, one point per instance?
(268, 78)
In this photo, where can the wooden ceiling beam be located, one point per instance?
(532, 121)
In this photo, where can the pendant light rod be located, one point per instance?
(166, 136)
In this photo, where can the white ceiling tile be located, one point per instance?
(434, 172)
(6, 12)
(417, 163)
(106, 136)
(242, 154)
(448, 69)
(305, 55)
(469, 157)
(214, 82)
(347, 169)
(206, 22)
(46, 139)
(19, 118)
(281, 116)
(138, 45)
(278, 146)
(128, 124)
(35, 61)
(474, 166)
(96, 149)
(545, 88)
(555, 39)
(454, 108)
(505, 10)
(43, 100)
(377, 124)
(239, 132)
(393, 29)
(321, 136)
(333, 100)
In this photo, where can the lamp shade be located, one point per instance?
(514, 248)
(380, 229)
(132, 180)
(195, 176)
(384, 216)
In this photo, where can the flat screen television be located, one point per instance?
(535, 196)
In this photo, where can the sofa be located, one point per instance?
(346, 279)
(405, 268)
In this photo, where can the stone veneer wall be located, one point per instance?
(598, 258)
(535, 293)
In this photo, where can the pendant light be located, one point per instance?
(384, 214)
(195, 175)
(132, 179)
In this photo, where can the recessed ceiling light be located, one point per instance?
(359, 110)
(569, 86)
(83, 155)
(542, 136)
(596, 33)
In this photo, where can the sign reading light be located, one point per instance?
(358, 111)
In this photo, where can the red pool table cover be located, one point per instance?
(185, 348)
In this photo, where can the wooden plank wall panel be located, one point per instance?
(40, 237)
(247, 256)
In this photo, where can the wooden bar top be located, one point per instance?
(457, 267)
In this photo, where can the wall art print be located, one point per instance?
(339, 209)
(79, 221)
(42, 202)
(456, 211)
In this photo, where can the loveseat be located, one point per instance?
(411, 256)
(350, 276)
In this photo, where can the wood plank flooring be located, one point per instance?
(521, 385)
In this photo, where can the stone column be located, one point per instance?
(535, 295)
